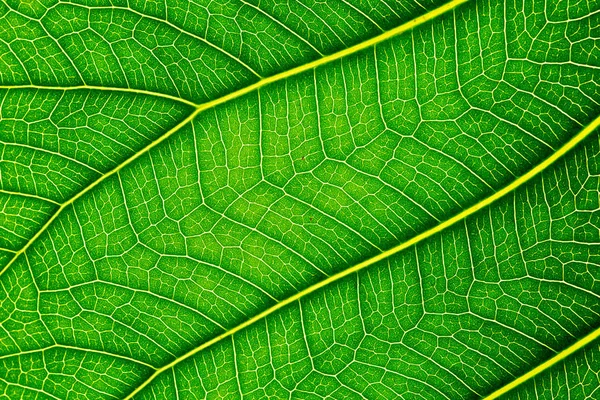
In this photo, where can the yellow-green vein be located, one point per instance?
(101, 89)
(546, 364)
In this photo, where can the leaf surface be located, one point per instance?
(299, 199)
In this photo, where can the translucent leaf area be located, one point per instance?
(298, 199)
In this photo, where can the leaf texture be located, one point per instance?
(342, 199)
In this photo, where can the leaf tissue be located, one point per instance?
(299, 199)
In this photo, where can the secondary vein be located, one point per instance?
(546, 364)
(102, 89)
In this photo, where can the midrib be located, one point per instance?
(587, 339)
(416, 239)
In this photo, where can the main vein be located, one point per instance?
(590, 337)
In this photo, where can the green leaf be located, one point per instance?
(285, 199)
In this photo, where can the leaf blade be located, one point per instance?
(451, 178)
(570, 145)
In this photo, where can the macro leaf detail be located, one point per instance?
(342, 199)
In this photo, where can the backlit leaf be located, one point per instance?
(299, 199)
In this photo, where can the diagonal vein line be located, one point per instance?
(336, 56)
(590, 337)
(589, 129)
(101, 89)
(248, 89)
(93, 185)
